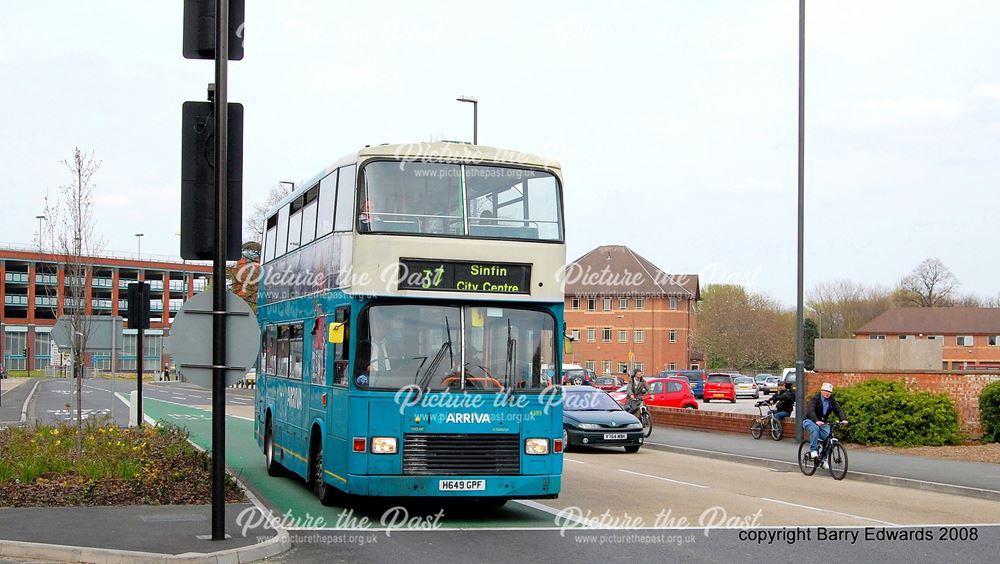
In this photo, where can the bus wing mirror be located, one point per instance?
(336, 333)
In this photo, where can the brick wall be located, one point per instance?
(710, 420)
(962, 387)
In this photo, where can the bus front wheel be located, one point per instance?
(272, 465)
(327, 494)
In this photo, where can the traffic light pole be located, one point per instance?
(219, 273)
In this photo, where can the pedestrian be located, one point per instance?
(166, 372)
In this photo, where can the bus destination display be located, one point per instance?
(461, 276)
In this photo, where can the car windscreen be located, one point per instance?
(586, 400)
(720, 379)
(744, 380)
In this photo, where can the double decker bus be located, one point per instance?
(412, 313)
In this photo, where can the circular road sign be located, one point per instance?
(191, 339)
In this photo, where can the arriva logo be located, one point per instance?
(468, 418)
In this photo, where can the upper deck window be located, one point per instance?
(496, 202)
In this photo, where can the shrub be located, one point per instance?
(989, 412)
(887, 413)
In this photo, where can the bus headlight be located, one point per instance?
(383, 445)
(536, 446)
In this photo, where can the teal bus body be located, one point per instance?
(336, 412)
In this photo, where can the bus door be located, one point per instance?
(337, 361)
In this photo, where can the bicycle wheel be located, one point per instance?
(776, 431)
(647, 425)
(807, 465)
(756, 429)
(837, 461)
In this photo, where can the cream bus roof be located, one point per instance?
(457, 152)
(437, 152)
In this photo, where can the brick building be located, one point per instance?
(618, 303)
(970, 335)
(34, 287)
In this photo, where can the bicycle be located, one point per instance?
(768, 421)
(832, 455)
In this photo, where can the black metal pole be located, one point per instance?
(138, 373)
(219, 274)
(799, 328)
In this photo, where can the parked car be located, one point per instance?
(761, 380)
(670, 392)
(771, 384)
(609, 383)
(576, 375)
(695, 378)
(720, 386)
(592, 418)
(746, 386)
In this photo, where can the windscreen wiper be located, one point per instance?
(432, 367)
(511, 353)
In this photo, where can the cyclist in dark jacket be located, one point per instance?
(783, 401)
(817, 411)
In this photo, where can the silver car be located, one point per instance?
(771, 384)
(746, 386)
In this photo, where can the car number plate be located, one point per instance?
(461, 485)
(615, 436)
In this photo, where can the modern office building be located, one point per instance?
(623, 311)
(36, 288)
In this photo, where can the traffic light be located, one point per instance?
(198, 182)
(200, 26)
(138, 305)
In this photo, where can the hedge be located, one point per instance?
(885, 412)
(989, 412)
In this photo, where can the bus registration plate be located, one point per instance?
(615, 436)
(461, 485)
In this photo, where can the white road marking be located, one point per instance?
(573, 461)
(664, 479)
(851, 515)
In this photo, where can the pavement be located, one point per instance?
(178, 533)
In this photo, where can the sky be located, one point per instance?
(675, 121)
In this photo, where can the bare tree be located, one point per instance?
(840, 307)
(930, 284)
(254, 227)
(77, 242)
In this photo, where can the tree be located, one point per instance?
(244, 276)
(840, 307)
(930, 284)
(254, 227)
(738, 329)
(77, 241)
(809, 334)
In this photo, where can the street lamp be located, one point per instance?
(475, 116)
(289, 182)
(138, 238)
(39, 218)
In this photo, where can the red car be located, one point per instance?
(609, 383)
(663, 392)
(720, 386)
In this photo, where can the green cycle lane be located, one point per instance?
(290, 496)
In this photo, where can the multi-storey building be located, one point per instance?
(36, 288)
(970, 335)
(622, 311)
